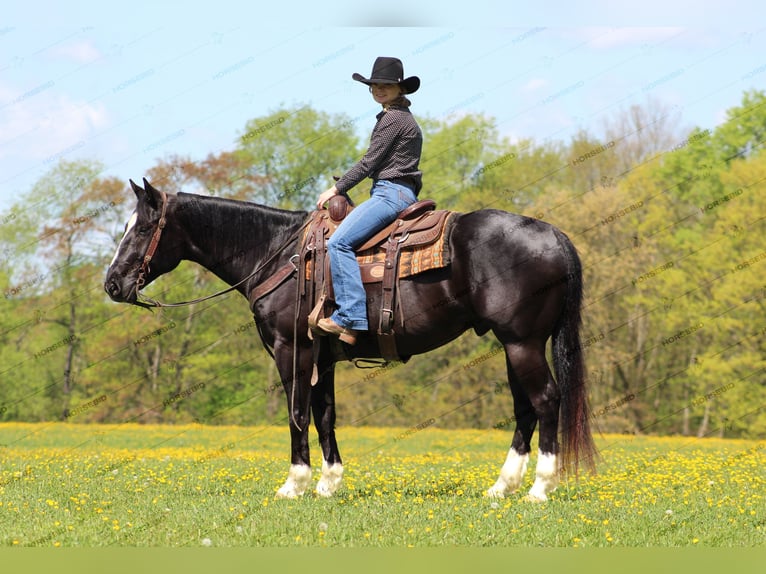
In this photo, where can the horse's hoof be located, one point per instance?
(535, 498)
(324, 491)
(495, 492)
(287, 494)
(326, 488)
(332, 476)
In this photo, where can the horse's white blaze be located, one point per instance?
(298, 480)
(546, 477)
(511, 474)
(332, 475)
(131, 225)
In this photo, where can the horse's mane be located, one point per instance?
(241, 219)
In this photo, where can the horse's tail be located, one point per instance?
(569, 367)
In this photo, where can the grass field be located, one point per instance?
(190, 486)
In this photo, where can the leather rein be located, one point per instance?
(149, 303)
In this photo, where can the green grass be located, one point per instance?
(190, 486)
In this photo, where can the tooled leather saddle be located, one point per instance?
(417, 227)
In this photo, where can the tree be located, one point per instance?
(226, 174)
(295, 153)
(453, 154)
(641, 132)
(592, 162)
(659, 251)
(70, 202)
(744, 131)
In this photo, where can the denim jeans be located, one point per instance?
(387, 199)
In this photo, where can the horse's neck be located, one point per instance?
(231, 238)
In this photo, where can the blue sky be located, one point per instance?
(133, 83)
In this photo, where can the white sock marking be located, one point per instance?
(298, 480)
(511, 474)
(332, 475)
(546, 477)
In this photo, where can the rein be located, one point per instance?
(149, 303)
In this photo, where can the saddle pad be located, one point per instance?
(412, 260)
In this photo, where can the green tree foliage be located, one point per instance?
(296, 153)
(744, 132)
(668, 226)
(671, 264)
(453, 154)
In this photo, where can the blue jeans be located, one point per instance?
(387, 199)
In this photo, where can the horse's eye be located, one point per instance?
(142, 230)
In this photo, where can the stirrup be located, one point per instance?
(314, 316)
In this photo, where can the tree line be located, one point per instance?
(668, 222)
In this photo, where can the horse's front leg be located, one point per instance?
(323, 407)
(297, 384)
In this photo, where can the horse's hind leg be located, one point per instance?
(323, 409)
(515, 466)
(536, 399)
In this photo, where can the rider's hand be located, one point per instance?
(325, 196)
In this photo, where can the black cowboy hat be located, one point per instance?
(389, 71)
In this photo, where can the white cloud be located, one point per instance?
(81, 51)
(44, 124)
(634, 36)
(534, 84)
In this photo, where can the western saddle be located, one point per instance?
(418, 225)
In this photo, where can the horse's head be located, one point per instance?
(147, 249)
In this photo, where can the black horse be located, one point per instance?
(515, 276)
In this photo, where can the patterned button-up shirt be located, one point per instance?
(394, 152)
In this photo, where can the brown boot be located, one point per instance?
(330, 327)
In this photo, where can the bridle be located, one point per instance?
(149, 303)
(152, 249)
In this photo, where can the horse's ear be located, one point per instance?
(153, 196)
(136, 189)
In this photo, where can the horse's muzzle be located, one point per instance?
(117, 290)
(113, 290)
